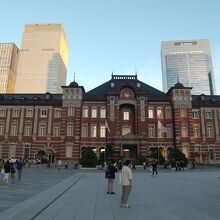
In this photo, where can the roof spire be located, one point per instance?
(178, 80)
(74, 78)
(136, 71)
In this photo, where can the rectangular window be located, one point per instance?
(93, 131)
(2, 129)
(151, 131)
(85, 112)
(126, 130)
(211, 150)
(27, 148)
(195, 114)
(69, 151)
(102, 131)
(184, 130)
(29, 113)
(42, 130)
(12, 151)
(14, 129)
(208, 114)
(1, 146)
(27, 130)
(126, 116)
(94, 112)
(196, 131)
(169, 131)
(210, 131)
(160, 113)
(168, 113)
(15, 113)
(71, 111)
(2, 112)
(56, 131)
(150, 113)
(197, 148)
(84, 130)
(57, 113)
(43, 113)
(70, 129)
(102, 113)
(183, 112)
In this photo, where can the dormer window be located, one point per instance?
(112, 84)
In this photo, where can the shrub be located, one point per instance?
(176, 155)
(89, 158)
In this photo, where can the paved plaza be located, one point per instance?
(70, 194)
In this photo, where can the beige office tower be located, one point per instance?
(8, 65)
(43, 59)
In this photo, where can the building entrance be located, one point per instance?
(129, 152)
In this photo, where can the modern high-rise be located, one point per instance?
(8, 65)
(190, 63)
(43, 59)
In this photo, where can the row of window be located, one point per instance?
(27, 149)
(42, 132)
(93, 131)
(29, 113)
(85, 113)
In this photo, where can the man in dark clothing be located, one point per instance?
(154, 167)
(110, 175)
(19, 166)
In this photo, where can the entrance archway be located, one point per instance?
(129, 152)
(45, 155)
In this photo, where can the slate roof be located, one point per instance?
(31, 99)
(205, 101)
(99, 93)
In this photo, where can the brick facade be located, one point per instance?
(59, 126)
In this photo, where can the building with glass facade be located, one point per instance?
(43, 59)
(8, 64)
(190, 63)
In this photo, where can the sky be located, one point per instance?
(119, 36)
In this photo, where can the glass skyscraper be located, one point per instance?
(190, 63)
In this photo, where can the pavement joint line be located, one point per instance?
(49, 204)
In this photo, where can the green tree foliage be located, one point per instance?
(89, 158)
(154, 155)
(176, 155)
(140, 159)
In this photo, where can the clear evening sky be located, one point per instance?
(117, 35)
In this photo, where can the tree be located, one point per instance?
(154, 155)
(140, 159)
(176, 155)
(89, 158)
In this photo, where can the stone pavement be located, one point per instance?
(33, 181)
(169, 196)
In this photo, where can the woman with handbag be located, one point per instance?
(110, 175)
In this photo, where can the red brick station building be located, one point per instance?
(123, 112)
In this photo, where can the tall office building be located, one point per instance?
(8, 65)
(43, 59)
(190, 63)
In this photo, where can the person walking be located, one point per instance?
(19, 166)
(154, 167)
(126, 182)
(110, 175)
(7, 171)
(12, 170)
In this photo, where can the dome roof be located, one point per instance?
(179, 86)
(73, 84)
